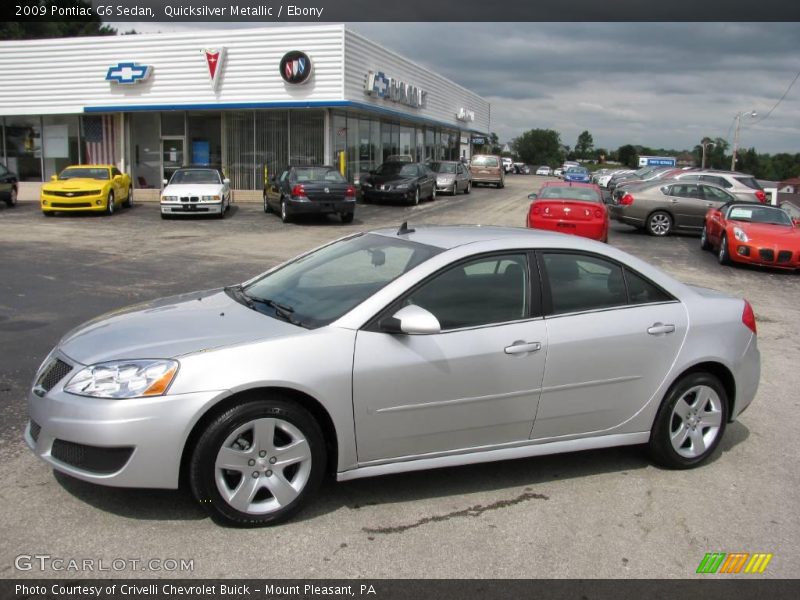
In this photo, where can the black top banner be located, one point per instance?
(321, 11)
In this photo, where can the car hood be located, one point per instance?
(390, 179)
(171, 327)
(67, 185)
(764, 231)
(193, 189)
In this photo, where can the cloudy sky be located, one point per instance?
(655, 84)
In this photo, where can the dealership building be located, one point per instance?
(252, 100)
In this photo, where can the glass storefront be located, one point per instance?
(145, 150)
(23, 144)
(61, 141)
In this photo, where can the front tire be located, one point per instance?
(110, 204)
(258, 463)
(415, 200)
(129, 200)
(659, 224)
(704, 244)
(690, 423)
(433, 193)
(723, 256)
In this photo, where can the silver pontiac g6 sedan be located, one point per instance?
(395, 351)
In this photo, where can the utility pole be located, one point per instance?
(739, 116)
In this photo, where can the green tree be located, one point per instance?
(34, 29)
(627, 155)
(539, 147)
(584, 145)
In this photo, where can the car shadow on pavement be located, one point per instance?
(165, 505)
(145, 504)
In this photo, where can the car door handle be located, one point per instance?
(674, 200)
(660, 328)
(521, 347)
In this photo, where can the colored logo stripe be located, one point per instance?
(734, 562)
(758, 563)
(720, 562)
(711, 562)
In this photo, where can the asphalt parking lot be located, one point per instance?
(607, 513)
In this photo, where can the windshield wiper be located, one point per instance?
(281, 310)
(239, 295)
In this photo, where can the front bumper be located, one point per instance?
(83, 436)
(94, 203)
(766, 256)
(191, 208)
(372, 195)
(446, 186)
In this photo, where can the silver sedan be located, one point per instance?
(452, 176)
(392, 351)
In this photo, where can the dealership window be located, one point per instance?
(339, 134)
(306, 137)
(24, 147)
(172, 124)
(406, 138)
(420, 145)
(271, 144)
(390, 136)
(145, 149)
(61, 144)
(239, 149)
(430, 144)
(205, 138)
(353, 151)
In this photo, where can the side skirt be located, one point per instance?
(408, 463)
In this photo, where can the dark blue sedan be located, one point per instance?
(577, 175)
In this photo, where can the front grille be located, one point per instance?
(767, 254)
(35, 429)
(74, 194)
(784, 256)
(190, 199)
(71, 204)
(91, 458)
(52, 374)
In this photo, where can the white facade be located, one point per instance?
(58, 106)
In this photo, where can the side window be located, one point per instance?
(715, 194)
(115, 172)
(641, 291)
(685, 190)
(720, 181)
(3, 170)
(486, 290)
(578, 282)
(284, 175)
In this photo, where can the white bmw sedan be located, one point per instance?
(196, 191)
(392, 351)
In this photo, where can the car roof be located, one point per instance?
(452, 236)
(90, 167)
(200, 167)
(569, 184)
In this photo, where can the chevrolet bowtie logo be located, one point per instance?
(128, 72)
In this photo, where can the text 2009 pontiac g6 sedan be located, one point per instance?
(395, 351)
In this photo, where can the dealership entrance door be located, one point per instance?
(171, 156)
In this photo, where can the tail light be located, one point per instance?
(762, 197)
(626, 200)
(598, 213)
(535, 209)
(749, 318)
(299, 191)
(350, 192)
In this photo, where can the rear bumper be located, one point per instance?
(748, 375)
(316, 207)
(594, 231)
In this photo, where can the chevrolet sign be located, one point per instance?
(379, 85)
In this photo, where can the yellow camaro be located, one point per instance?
(94, 188)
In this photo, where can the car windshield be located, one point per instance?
(318, 288)
(399, 169)
(759, 214)
(484, 161)
(749, 182)
(564, 192)
(577, 171)
(443, 167)
(328, 174)
(85, 173)
(184, 176)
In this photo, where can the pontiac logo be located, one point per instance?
(295, 67)
(567, 210)
(215, 59)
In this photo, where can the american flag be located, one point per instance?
(98, 133)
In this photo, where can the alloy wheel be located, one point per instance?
(660, 224)
(695, 422)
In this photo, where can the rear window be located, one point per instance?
(485, 161)
(749, 182)
(563, 192)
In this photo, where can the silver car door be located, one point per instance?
(474, 384)
(612, 339)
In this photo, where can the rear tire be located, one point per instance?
(11, 201)
(468, 189)
(285, 217)
(659, 224)
(690, 423)
(347, 217)
(277, 453)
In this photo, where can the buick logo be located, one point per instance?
(295, 67)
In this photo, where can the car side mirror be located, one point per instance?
(53, 177)
(164, 181)
(226, 181)
(796, 221)
(411, 320)
(533, 196)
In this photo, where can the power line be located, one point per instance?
(796, 77)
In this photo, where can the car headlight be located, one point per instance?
(402, 186)
(210, 198)
(366, 184)
(169, 198)
(740, 235)
(124, 379)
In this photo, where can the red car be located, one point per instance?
(753, 233)
(575, 208)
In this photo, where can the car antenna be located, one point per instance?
(404, 229)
